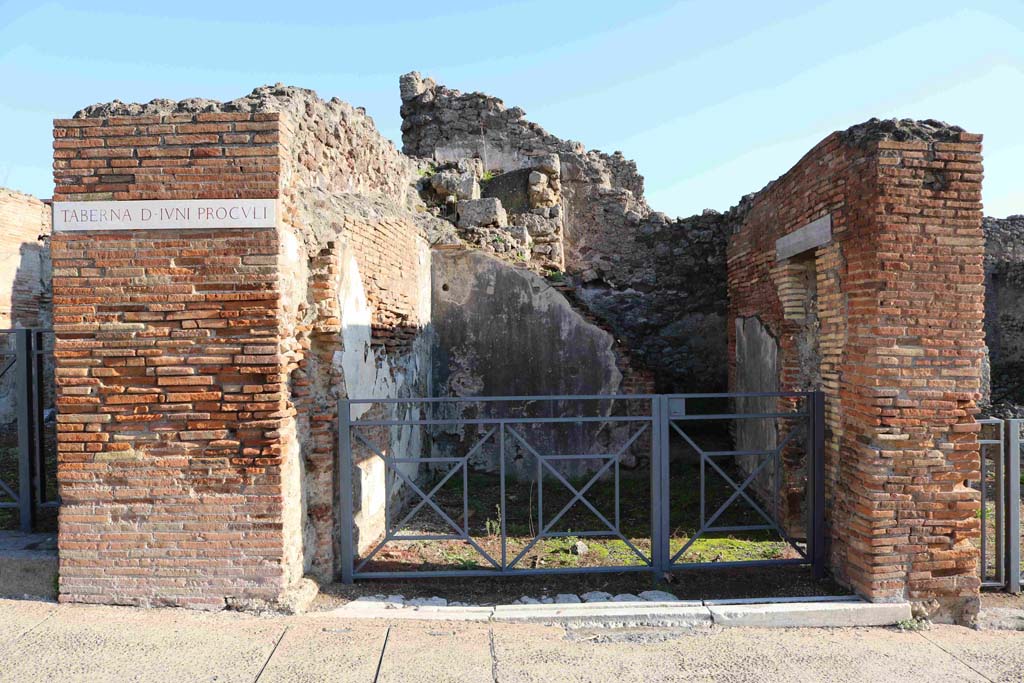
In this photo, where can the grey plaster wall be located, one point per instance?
(757, 370)
(502, 330)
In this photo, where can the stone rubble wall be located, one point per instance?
(597, 190)
(657, 284)
(1004, 310)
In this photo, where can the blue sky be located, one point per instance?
(712, 99)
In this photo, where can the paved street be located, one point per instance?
(48, 642)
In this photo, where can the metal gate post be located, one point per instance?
(659, 484)
(816, 484)
(345, 489)
(1012, 541)
(24, 387)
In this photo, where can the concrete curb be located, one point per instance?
(792, 613)
(810, 614)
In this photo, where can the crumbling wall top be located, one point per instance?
(265, 98)
(441, 122)
(901, 130)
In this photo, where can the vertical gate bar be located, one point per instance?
(700, 455)
(465, 496)
(345, 489)
(817, 470)
(540, 496)
(657, 561)
(38, 398)
(23, 365)
(387, 485)
(501, 474)
(984, 514)
(618, 520)
(777, 489)
(666, 485)
(999, 496)
(1013, 540)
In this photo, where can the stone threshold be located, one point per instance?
(817, 612)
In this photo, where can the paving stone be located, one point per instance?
(596, 596)
(658, 596)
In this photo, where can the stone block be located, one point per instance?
(481, 212)
(460, 185)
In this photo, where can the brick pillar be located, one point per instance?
(914, 354)
(897, 346)
(175, 434)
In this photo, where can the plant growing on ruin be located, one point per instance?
(555, 275)
(493, 526)
(913, 624)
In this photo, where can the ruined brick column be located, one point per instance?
(178, 467)
(875, 295)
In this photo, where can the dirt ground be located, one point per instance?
(994, 599)
(754, 582)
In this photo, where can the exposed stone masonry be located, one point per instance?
(659, 284)
(1004, 311)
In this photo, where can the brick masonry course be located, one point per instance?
(895, 302)
(173, 415)
(198, 371)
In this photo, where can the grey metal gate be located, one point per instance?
(402, 453)
(27, 455)
(999, 488)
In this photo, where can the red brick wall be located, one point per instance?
(899, 305)
(215, 155)
(24, 231)
(173, 409)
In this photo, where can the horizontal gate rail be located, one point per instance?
(651, 418)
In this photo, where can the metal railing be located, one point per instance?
(26, 388)
(403, 453)
(999, 487)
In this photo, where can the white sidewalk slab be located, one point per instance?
(810, 614)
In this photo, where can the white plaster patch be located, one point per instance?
(366, 375)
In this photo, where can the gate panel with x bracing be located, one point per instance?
(565, 484)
